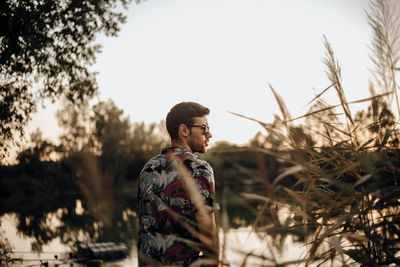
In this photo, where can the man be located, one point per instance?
(176, 195)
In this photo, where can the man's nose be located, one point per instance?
(209, 134)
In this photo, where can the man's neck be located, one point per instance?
(180, 143)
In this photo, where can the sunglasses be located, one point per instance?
(205, 128)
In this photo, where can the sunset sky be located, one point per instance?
(223, 54)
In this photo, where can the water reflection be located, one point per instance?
(71, 222)
(242, 247)
(40, 227)
(64, 237)
(74, 224)
(44, 228)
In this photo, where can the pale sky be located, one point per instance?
(223, 54)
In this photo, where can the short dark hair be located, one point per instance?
(183, 113)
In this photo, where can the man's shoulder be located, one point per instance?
(200, 161)
(157, 159)
(155, 162)
(185, 155)
(198, 166)
(190, 160)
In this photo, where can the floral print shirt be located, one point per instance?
(165, 209)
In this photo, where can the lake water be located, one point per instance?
(242, 247)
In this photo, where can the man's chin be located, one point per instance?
(202, 150)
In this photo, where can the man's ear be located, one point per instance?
(183, 130)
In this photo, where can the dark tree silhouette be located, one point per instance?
(45, 50)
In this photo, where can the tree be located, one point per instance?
(39, 150)
(112, 131)
(125, 147)
(45, 50)
(77, 124)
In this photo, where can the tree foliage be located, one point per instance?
(75, 121)
(122, 147)
(45, 50)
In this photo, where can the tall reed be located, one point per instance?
(342, 195)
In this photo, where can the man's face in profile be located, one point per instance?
(200, 135)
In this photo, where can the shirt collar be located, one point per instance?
(174, 149)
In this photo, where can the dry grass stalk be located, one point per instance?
(263, 172)
(225, 228)
(384, 20)
(95, 188)
(270, 128)
(203, 262)
(301, 198)
(263, 124)
(320, 94)
(339, 195)
(334, 75)
(326, 124)
(326, 136)
(282, 105)
(185, 223)
(289, 171)
(189, 185)
(335, 106)
(204, 234)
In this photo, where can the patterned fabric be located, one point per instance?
(164, 208)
